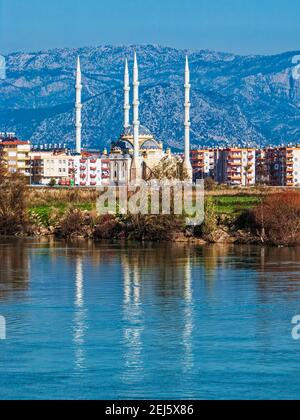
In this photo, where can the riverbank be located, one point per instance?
(242, 216)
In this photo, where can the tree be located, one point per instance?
(168, 169)
(247, 169)
(52, 182)
(13, 215)
(278, 218)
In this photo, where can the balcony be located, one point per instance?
(235, 156)
(237, 164)
(197, 157)
(198, 165)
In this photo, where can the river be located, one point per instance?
(87, 321)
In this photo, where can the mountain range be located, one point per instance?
(235, 99)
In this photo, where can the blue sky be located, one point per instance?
(240, 26)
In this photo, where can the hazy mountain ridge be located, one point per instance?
(235, 99)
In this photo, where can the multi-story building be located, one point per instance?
(235, 166)
(292, 166)
(203, 163)
(50, 167)
(283, 166)
(88, 170)
(66, 169)
(262, 175)
(15, 154)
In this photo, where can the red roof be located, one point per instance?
(14, 143)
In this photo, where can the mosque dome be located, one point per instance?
(143, 131)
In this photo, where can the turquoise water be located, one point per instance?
(148, 322)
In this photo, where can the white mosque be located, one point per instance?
(137, 152)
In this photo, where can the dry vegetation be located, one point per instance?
(13, 211)
(53, 196)
(278, 218)
(272, 217)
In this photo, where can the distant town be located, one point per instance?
(51, 165)
(137, 154)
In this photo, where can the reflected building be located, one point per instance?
(15, 268)
(172, 292)
(133, 319)
(188, 318)
(80, 322)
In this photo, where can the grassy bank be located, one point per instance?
(44, 202)
(235, 216)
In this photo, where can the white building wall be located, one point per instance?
(88, 171)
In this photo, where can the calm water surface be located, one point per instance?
(148, 322)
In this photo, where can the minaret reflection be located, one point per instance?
(133, 320)
(188, 329)
(80, 317)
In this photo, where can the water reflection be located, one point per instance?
(80, 322)
(133, 321)
(14, 268)
(165, 263)
(149, 320)
(188, 329)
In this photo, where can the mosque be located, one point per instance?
(136, 153)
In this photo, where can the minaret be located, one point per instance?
(187, 166)
(126, 96)
(136, 164)
(78, 107)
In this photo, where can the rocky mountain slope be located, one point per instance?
(235, 99)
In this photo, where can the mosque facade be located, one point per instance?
(137, 152)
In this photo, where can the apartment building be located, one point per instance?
(283, 166)
(292, 166)
(88, 170)
(52, 166)
(15, 155)
(235, 166)
(262, 175)
(203, 163)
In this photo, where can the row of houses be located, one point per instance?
(58, 166)
(276, 166)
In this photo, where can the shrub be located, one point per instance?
(246, 220)
(75, 223)
(210, 184)
(108, 227)
(154, 228)
(13, 216)
(278, 218)
(52, 182)
(210, 223)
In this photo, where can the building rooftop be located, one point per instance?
(143, 131)
(13, 142)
